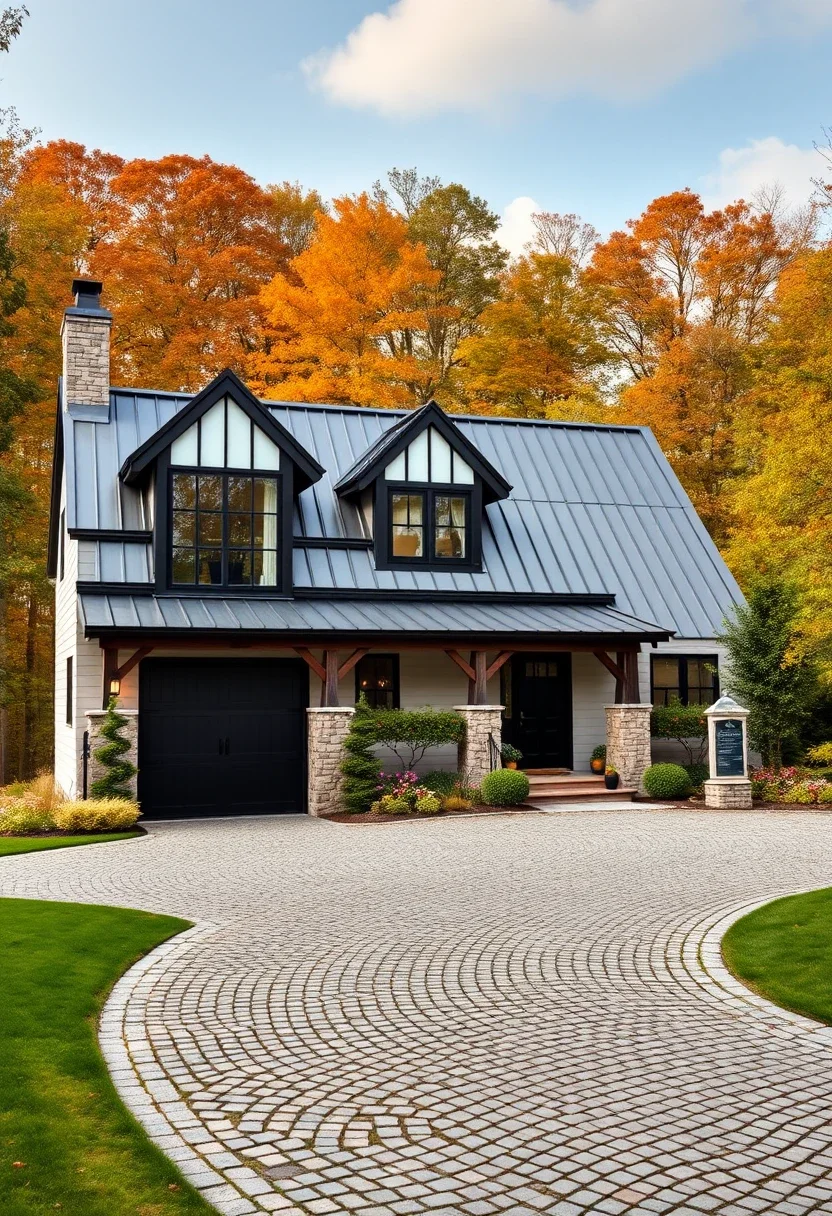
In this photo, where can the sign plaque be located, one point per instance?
(729, 747)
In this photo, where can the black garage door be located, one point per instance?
(222, 736)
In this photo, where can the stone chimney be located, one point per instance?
(85, 335)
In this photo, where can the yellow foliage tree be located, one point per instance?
(341, 324)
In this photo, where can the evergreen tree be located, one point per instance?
(768, 672)
(361, 766)
(116, 780)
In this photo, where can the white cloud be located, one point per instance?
(423, 56)
(516, 224)
(762, 162)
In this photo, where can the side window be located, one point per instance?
(690, 679)
(377, 678)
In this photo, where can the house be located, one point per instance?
(237, 571)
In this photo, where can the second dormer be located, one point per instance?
(422, 488)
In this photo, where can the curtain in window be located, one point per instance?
(269, 575)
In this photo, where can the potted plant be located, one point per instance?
(511, 755)
(611, 777)
(598, 758)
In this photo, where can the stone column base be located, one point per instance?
(628, 742)
(474, 755)
(328, 727)
(729, 795)
(95, 718)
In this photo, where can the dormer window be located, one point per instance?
(224, 530)
(423, 487)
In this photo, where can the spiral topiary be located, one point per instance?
(505, 787)
(667, 781)
(360, 765)
(115, 782)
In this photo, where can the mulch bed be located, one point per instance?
(373, 817)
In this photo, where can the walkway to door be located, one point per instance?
(469, 1016)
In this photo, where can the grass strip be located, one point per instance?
(66, 1141)
(9, 845)
(784, 951)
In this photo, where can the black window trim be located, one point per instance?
(163, 537)
(713, 659)
(383, 526)
(62, 547)
(394, 658)
(69, 691)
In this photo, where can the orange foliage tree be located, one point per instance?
(341, 326)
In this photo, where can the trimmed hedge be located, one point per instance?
(505, 787)
(667, 781)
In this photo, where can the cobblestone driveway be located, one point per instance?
(465, 1016)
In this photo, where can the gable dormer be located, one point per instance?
(223, 475)
(427, 486)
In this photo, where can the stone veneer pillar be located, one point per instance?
(628, 742)
(327, 729)
(130, 731)
(474, 756)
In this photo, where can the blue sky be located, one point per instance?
(593, 106)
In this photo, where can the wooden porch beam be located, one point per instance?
(135, 658)
(310, 660)
(355, 658)
(615, 669)
(344, 642)
(502, 657)
(457, 658)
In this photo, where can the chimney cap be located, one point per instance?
(87, 293)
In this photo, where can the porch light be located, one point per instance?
(115, 686)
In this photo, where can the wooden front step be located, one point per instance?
(573, 788)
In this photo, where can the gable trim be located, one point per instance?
(227, 383)
(365, 471)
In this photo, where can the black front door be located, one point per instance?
(221, 736)
(541, 708)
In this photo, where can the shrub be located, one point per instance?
(428, 804)
(360, 767)
(441, 783)
(599, 752)
(685, 724)
(505, 787)
(825, 794)
(409, 733)
(455, 802)
(667, 781)
(699, 774)
(388, 805)
(22, 815)
(96, 815)
(822, 754)
(800, 793)
(115, 782)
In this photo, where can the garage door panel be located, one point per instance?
(221, 736)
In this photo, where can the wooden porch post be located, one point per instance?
(329, 689)
(480, 678)
(632, 695)
(620, 660)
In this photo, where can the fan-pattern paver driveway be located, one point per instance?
(507, 1014)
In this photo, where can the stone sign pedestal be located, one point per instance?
(728, 786)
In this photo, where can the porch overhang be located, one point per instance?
(253, 621)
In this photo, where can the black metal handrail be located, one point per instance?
(494, 754)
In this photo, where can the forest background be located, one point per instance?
(713, 328)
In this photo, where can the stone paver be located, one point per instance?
(514, 1014)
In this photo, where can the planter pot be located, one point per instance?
(511, 764)
(597, 766)
(611, 781)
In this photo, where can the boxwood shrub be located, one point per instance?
(667, 781)
(505, 787)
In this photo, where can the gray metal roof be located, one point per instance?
(307, 616)
(593, 509)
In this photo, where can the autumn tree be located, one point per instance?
(184, 268)
(341, 326)
(86, 179)
(293, 214)
(565, 236)
(537, 352)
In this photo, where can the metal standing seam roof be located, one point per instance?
(241, 614)
(593, 509)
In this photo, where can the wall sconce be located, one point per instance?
(115, 686)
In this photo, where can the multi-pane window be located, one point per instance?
(691, 679)
(377, 679)
(224, 530)
(429, 525)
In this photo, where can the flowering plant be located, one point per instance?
(789, 785)
(402, 786)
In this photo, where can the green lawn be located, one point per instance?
(81, 1152)
(33, 844)
(784, 952)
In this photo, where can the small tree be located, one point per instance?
(115, 783)
(685, 724)
(768, 674)
(360, 766)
